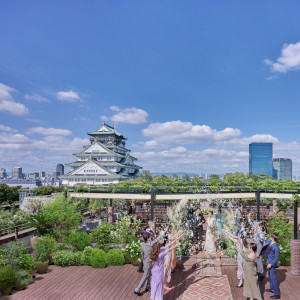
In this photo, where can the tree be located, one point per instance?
(9, 194)
(146, 176)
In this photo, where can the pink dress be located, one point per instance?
(157, 279)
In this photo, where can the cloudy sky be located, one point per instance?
(190, 83)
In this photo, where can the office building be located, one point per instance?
(16, 173)
(42, 174)
(261, 158)
(3, 174)
(33, 175)
(60, 169)
(282, 168)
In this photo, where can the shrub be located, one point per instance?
(98, 258)
(49, 242)
(134, 249)
(14, 250)
(86, 256)
(79, 240)
(26, 262)
(65, 258)
(115, 257)
(102, 234)
(7, 277)
(42, 252)
(63, 246)
(23, 278)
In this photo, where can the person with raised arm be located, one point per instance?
(157, 255)
(240, 260)
(258, 235)
(251, 288)
(271, 251)
(146, 249)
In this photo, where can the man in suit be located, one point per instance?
(146, 249)
(146, 229)
(198, 221)
(271, 251)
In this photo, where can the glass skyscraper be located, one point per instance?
(261, 158)
(282, 168)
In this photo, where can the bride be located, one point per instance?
(210, 245)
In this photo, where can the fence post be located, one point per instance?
(110, 212)
(258, 204)
(16, 232)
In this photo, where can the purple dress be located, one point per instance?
(157, 279)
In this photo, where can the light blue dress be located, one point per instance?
(219, 223)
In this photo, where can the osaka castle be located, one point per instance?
(104, 161)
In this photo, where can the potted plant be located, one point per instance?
(41, 255)
(134, 251)
(26, 263)
(7, 279)
(23, 278)
(51, 244)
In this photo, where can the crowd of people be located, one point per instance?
(160, 252)
(250, 270)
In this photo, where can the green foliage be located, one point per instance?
(42, 252)
(61, 215)
(65, 258)
(26, 262)
(63, 246)
(102, 234)
(7, 277)
(127, 228)
(225, 242)
(134, 249)
(47, 190)
(49, 242)
(280, 225)
(40, 222)
(115, 257)
(79, 240)
(98, 258)
(23, 278)
(12, 218)
(97, 205)
(14, 250)
(9, 194)
(86, 256)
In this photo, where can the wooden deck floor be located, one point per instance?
(114, 283)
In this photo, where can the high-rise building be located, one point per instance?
(282, 168)
(3, 174)
(16, 173)
(33, 175)
(42, 174)
(261, 158)
(105, 160)
(60, 169)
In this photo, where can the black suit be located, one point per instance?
(198, 230)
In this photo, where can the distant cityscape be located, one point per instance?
(31, 180)
(261, 161)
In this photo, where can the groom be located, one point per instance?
(198, 221)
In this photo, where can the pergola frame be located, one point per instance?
(203, 192)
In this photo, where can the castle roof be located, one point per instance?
(106, 129)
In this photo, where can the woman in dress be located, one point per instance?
(240, 260)
(210, 245)
(258, 235)
(251, 288)
(170, 258)
(157, 255)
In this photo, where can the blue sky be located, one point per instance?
(190, 83)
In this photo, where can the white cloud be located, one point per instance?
(288, 61)
(35, 121)
(127, 115)
(7, 128)
(8, 104)
(114, 108)
(36, 97)
(49, 131)
(178, 132)
(150, 145)
(271, 77)
(68, 96)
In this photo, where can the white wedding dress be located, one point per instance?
(210, 245)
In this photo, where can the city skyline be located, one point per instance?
(190, 84)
